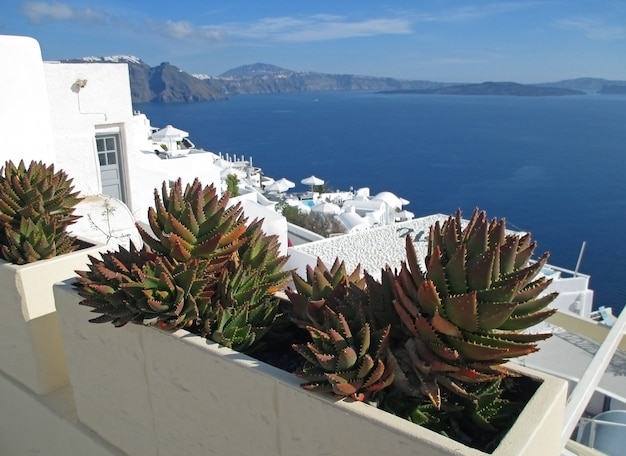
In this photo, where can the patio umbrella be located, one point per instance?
(169, 135)
(266, 180)
(280, 186)
(286, 182)
(312, 181)
(326, 208)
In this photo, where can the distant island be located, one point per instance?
(167, 83)
(492, 88)
(613, 90)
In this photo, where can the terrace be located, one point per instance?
(41, 105)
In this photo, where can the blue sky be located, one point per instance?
(440, 40)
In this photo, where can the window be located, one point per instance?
(107, 150)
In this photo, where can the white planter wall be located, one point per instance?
(31, 349)
(108, 377)
(144, 389)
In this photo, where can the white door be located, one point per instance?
(110, 166)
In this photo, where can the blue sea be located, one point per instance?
(553, 166)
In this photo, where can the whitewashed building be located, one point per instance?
(80, 117)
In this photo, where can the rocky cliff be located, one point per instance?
(166, 83)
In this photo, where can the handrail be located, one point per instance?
(569, 272)
(579, 398)
(592, 330)
(580, 258)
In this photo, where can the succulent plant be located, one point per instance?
(203, 270)
(355, 295)
(256, 271)
(36, 207)
(243, 307)
(489, 409)
(240, 327)
(320, 280)
(36, 191)
(445, 330)
(465, 314)
(413, 408)
(33, 241)
(141, 286)
(347, 354)
(351, 362)
(322, 287)
(194, 223)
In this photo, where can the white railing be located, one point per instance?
(580, 396)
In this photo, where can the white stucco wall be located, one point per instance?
(104, 105)
(46, 117)
(148, 172)
(24, 112)
(78, 113)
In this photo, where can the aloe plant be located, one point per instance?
(445, 330)
(465, 314)
(36, 206)
(347, 353)
(320, 280)
(141, 286)
(34, 241)
(201, 268)
(197, 223)
(321, 287)
(194, 223)
(256, 270)
(243, 307)
(349, 361)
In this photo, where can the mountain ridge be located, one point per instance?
(255, 70)
(495, 88)
(166, 83)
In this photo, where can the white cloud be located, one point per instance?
(181, 30)
(593, 28)
(471, 12)
(315, 28)
(319, 27)
(40, 11)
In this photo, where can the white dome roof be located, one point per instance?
(389, 198)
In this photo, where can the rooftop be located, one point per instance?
(376, 247)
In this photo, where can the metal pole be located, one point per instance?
(580, 258)
(578, 400)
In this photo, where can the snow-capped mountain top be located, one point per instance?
(113, 58)
(202, 76)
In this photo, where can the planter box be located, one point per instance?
(148, 391)
(31, 350)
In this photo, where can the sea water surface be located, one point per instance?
(553, 166)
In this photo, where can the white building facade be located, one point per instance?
(79, 117)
